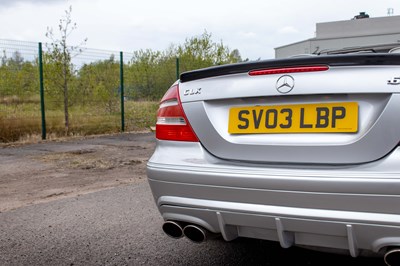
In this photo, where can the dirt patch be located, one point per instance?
(89, 159)
(47, 171)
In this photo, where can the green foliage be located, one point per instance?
(88, 89)
(99, 82)
(141, 74)
(55, 78)
(202, 51)
(59, 57)
(18, 78)
(149, 73)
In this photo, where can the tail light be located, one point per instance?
(172, 123)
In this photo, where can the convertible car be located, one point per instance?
(303, 151)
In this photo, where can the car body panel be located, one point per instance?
(315, 204)
(324, 190)
(209, 121)
(344, 80)
(379, 102)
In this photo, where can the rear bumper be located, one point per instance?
(348, 207)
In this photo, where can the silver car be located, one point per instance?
(303, 151)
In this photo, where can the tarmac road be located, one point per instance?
(121, 226)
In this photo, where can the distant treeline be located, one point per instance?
(147, 73)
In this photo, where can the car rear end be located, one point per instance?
(302, 151)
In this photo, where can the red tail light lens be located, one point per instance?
(286, 70)
(172, 123)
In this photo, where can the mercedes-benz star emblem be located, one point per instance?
(285, 84)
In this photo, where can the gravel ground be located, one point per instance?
(87, 202)
(42, 172)
(121, 226)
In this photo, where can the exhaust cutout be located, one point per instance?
(173, 229)
(195, 233)
(392, 257)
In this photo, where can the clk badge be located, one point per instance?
(285, 84)
(192, 91)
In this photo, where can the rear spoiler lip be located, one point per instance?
(330, 60)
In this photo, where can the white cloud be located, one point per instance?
(288, 30)
(247, 34)
(12, 3)
(254, 27)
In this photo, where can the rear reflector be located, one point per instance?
(286, 70)
(172, 123)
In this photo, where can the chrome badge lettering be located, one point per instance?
(192, 92)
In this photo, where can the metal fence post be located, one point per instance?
(42, 92)
(121, 77)
(177, 68)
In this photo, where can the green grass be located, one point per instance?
(140, 115)
(22, 120)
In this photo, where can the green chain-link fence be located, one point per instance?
(50, 91)
(19, 90)
(92, 92)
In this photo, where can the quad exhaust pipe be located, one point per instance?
(196, 234)
(392, 257)
(173, 229)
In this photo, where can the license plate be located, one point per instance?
(339, 117)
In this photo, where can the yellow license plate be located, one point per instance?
(341, 117)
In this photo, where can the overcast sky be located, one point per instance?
(254, 27)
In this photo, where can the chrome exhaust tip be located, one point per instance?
(173, 229)
(195, 233)
(392, 257)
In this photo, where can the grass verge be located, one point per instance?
(21, 121)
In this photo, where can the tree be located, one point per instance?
(236, 57)
(99, 81)
(201, 51)
(143, 73)
(149, 73)
(60, 55)
(18, 78)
